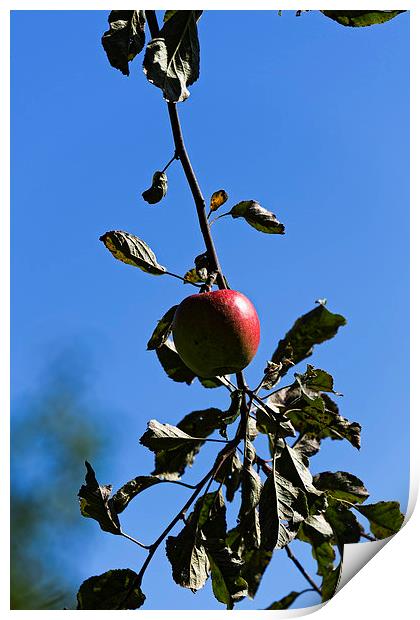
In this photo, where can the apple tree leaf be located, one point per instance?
(361, 18)
(125, 38)
(218, 199)
(157, 190)
(185, 552)
(341, 485)
(166, 437)
(173, 365)
(162, 330)
(285, 602)
(95, 503)
(385, 518)
(172, 59)
(108, 591)
(131, 489)
(257, 217)
(131, 250)
(312, 328)
(225, 567)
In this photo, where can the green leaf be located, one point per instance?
(172, 59)
(173, 365)
(248, 518)
(185, 552)
(280, 501)
(273, 422)
(385, 518)
(168, 15)
(158, 189)
(341, 485)
(131, 489)
(314, 414)
(95, 503)
(131, 250)
(285, 602)
(345, 526)
(225, 566)
(171, 464)
(255, 560)
(324, 555)
(330, 583)
(312, 328)
(294, 466)
(109, 590)
(124, 39)
(166, 437)
(257, 217)
(315, 380)
(162, 330)
(361, 18)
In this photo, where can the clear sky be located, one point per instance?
(309, 118)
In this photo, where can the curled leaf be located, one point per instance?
(95, 503)
(109, 591)
(172, 60)
(131, 250)
(158, 190)
(124, 39)
(218, 199)
(257, 217)
(162, 330)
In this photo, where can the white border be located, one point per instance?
(387, 585)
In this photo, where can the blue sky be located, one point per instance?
(310, 119)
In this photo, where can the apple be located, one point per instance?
(216, 333)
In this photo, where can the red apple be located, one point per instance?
(216, 333)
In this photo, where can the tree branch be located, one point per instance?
(302, 570)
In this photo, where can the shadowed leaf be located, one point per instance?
(185, 552)
(166, 437)
(124, 39)
(341, 485)
(285, 602)
(107, 591)
(345, 526)
(162, 330)
(312, 328)
(158, 189)
(225, 567)
(361, 18)
(131, 250)
(257, 217)
(385, 518)
(173, 365)
(218, 199)
(172, 59)
(95, 503)
(131, 489)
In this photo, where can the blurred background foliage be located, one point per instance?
(53, 431)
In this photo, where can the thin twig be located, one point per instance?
(134, 540)
(170, 161)
(174, 275)
(302, 570)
